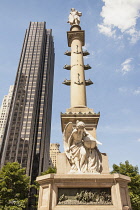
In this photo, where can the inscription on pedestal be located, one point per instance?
(84, 196)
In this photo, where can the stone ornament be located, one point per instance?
(86, 197)
(81, 149)
(74, 17)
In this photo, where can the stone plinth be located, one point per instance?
(89, 118)
(63, 165)
(53, 185)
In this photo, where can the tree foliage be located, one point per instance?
(134, 186)
(49, 171)
(14, 187)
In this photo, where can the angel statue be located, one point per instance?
(81, 149)
(74, 17)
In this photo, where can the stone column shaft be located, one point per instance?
(76, 41)
(78, 92)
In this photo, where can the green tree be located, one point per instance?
(49, 171)
(14, 187)
(134, 186)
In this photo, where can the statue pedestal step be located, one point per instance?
(84, 191)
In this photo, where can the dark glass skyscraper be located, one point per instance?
(27, 134)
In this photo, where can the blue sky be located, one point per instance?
(112, 29)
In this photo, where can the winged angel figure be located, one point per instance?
(81, 149)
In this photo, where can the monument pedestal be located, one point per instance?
(87, 115)
(84, 192)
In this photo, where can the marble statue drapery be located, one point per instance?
(81, 149)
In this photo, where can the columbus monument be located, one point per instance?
(82, 180)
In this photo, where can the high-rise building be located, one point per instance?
(4, 109)
(27, 135)
(54, 150)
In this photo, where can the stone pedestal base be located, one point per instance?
(59, 192)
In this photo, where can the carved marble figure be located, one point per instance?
(81, 149)
(74, 17)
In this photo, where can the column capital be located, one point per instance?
(72, 35)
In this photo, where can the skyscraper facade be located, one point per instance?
(27, 134)
(4, 109)
(54, 151)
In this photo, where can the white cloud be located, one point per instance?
(122, 15)
(129, 90)
(139, 140)
(134, 35)
(106, 30)
(137, 91)
(123, 89)
(126, 66)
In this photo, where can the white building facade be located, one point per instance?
(4, 109)
(54, 150)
